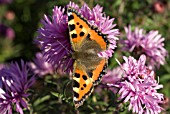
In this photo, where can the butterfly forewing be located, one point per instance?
(78, 27)
(97, 36)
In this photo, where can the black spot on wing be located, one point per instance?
(76, 95)
(77, 75)
(73, 35)
(80, 26)
(77, 23)
(80, 102)
(70, 17)
(76, 84)
(82, 88)
(84, 85)
(71, 27)
(82, 34)
(84, 77)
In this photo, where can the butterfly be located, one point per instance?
(88, 68)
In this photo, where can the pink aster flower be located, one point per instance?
(40, 67)
(53, 37)
(139, 87)
(113, 77)
(15, 80)
(150, 44)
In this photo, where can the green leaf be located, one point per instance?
(41, 100)
(62, 97)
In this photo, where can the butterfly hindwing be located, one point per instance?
(82, 85)
(84, 81)
(99, 71)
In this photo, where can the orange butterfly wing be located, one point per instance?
(78, 28)
(82, 85)
(81, 31)
(99, 71)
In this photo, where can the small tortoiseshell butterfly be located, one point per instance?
(87, 41)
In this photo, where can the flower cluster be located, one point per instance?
(53, 37)
(15, 80)
(40, 67)
(139, 87)
(150, 44)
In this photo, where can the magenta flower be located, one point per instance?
(112, 78)
(150, 44)
(139, 87)
(15, 80)
(53, 37)
(40, 67)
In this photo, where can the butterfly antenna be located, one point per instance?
(68, 51)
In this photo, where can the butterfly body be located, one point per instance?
(87, 41)
(86, 55)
